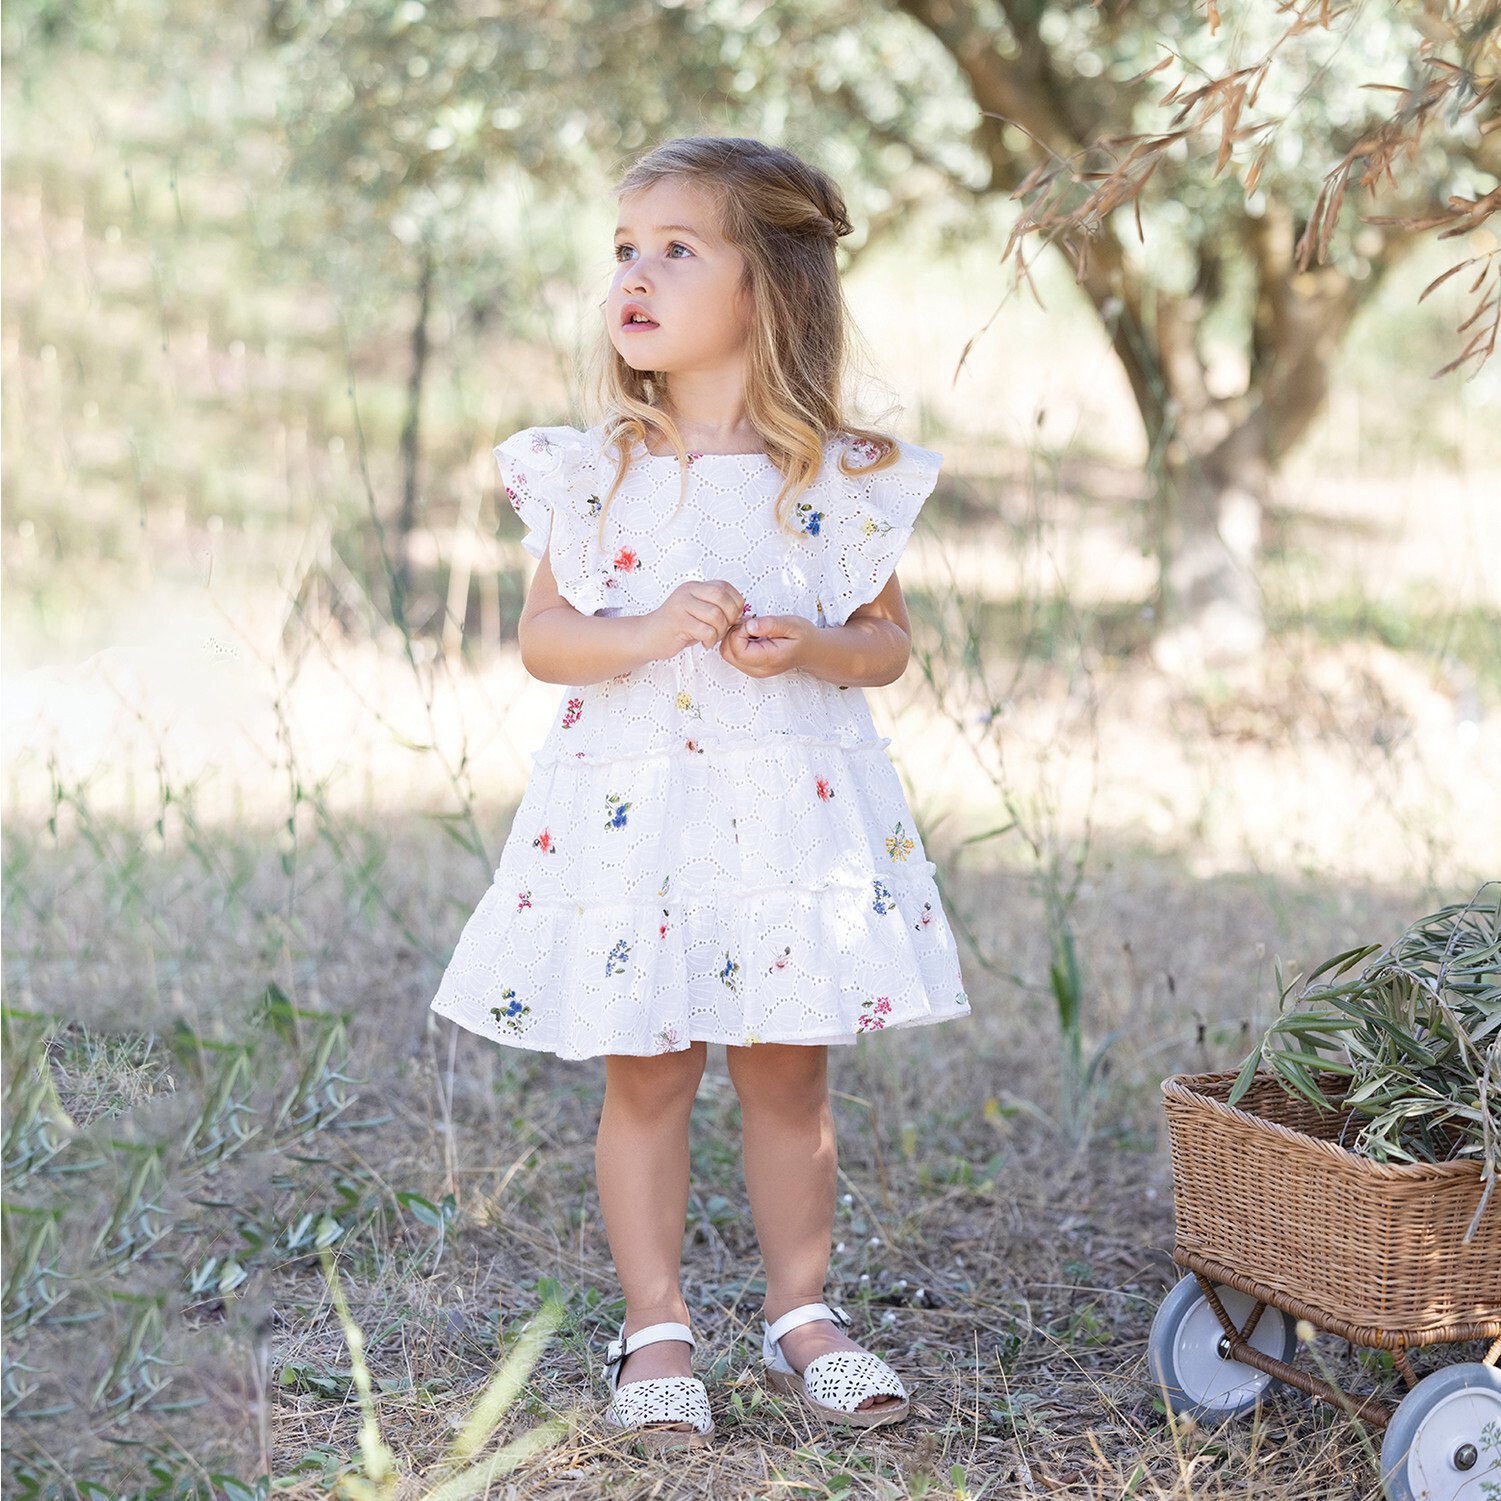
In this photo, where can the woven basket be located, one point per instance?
(1270, 1203)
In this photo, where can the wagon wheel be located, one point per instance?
(1184, 1352)
(1444, 1443)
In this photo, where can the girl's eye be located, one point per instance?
(676, 245)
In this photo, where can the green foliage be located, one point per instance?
(1417, 1033)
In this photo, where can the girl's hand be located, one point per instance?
(698, 612)
(767, 645)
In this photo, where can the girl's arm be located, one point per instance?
(872, 648)
(560, 644)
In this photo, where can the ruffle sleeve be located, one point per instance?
(873, 517)
(547, 475)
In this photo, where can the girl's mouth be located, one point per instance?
(637, 325)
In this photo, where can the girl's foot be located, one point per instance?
(807, 1342)
(658, 1398)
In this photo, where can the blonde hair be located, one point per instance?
(785, 217)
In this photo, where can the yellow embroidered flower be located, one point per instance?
(685, 700)
(751, 1039)
(898, 846)
(869, 527)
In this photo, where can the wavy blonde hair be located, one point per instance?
(786, 218)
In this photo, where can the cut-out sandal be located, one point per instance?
(657, 1399)
(834, 1384)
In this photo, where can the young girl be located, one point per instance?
(713, 845)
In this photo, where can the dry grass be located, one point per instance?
(230, 883)
(1011, 1274)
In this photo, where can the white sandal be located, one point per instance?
(834, 1384)
(657, 1399)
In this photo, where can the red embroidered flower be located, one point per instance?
(625, 560)
(824, 790)
(882, 1006)
(523, 900)
(571, 716)
(544, 842)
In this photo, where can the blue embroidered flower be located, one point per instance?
(884, 902)
(730, 970)
(615, 960)
(618, 810)
(809, 518)
(512, 1013)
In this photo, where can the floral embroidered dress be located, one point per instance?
(702, 855)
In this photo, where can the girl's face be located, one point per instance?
(673, 265)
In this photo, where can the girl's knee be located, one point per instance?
(781, 1076)
(662, 1081)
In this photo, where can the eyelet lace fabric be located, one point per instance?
(700, 855)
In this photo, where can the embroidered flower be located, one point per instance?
(824, 790)
(541, 443)
(662, 889)
(626, 561)
(546, 843)
(872, 1010)
(616, 958)
(512, 1015)
(809, 519)
(685, 703)
(593, 505)
(780, 962)
(865, 448)
(730, 970)
(663, 925)
(925, 919)
(882, 1006)
(693, 745)
(619, 808)
(884, 902)
(872, 526)
(667, 1039)
(751, 1039)
(572, 712)
(898, 846)
(523, 900)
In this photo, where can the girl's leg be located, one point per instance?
(641, 1165)
(791, 1158)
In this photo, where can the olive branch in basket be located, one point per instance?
(1417, 1034)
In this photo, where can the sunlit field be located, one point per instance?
(247, 811)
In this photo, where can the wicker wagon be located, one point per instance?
(1276, 1221)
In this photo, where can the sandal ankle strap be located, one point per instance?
(806, 1313)
(652, 1334)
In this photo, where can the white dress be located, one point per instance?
(702, 855)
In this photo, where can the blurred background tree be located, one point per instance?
(379, 149)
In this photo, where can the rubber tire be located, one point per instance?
(1181, 1353)
(1433, 1417)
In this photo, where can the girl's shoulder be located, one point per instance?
(549, 450)
(854, 461)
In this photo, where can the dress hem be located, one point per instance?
(841, 1039)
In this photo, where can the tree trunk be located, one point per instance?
(406, 518)
(1209, 608)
